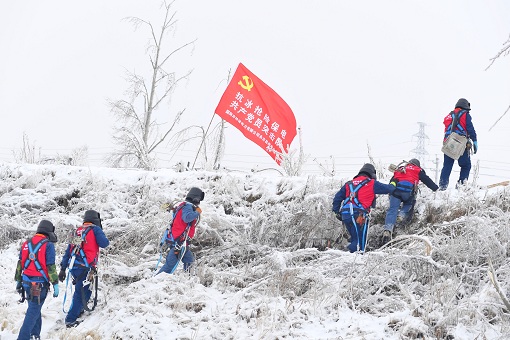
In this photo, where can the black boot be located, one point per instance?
(386, 237)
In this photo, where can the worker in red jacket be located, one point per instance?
(35, 272)
(353, 201)
(182, 229)
(405, 179)
(459, 121)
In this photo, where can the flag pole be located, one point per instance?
(206, 131)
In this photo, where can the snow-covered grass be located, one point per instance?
(267, 263)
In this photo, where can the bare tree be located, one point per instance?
(210, 158)
(505, 51)
(27, 153)
(291, 164)
(137, 133)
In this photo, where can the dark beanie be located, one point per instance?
(93, 217)
(463, 104)
(369, 170)
(47, 228)
(195, 195)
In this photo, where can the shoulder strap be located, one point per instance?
(176, 210)
(456, 121)
(84, 234)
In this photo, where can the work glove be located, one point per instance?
(55, 289)
(338, 216)
(198, 210)
(19, 286)
(62, 274)
(475, 146)
(393, 183)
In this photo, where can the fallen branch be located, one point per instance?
(425, 240)
(493, 278)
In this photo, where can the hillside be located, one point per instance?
(267, 265)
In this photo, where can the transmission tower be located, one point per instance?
(420, 151)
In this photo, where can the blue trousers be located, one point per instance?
(406, 200)
(358, 233)
(171, 261)
(465, 167)
(33, 319)
(79, 275)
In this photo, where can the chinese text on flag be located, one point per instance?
(258, 112)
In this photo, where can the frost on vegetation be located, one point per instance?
(267, 260)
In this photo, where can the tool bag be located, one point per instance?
(454, 146)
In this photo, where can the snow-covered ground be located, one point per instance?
(267, 266)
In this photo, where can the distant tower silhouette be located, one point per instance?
(420, 151)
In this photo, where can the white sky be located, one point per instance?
(353, 73)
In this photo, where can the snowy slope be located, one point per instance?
(266, 264)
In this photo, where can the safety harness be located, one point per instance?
(179, 245)
(77, 244)
(91, 277)
(169, 238)
(33, 256)
(352, 204)
(35, 286)
(455, 126)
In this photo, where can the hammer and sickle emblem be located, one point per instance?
(248, 83)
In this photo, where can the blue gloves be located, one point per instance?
(475, 146)
(55, 289)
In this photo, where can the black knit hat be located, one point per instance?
(369, 170)
(47, 228)
(93, 217)
(415, 161)
(195, 195)
(463, 104)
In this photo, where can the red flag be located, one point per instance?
(259, 112)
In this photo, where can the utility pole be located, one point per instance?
(436, 162)
(420, 151)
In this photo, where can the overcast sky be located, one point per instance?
(354, 73)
